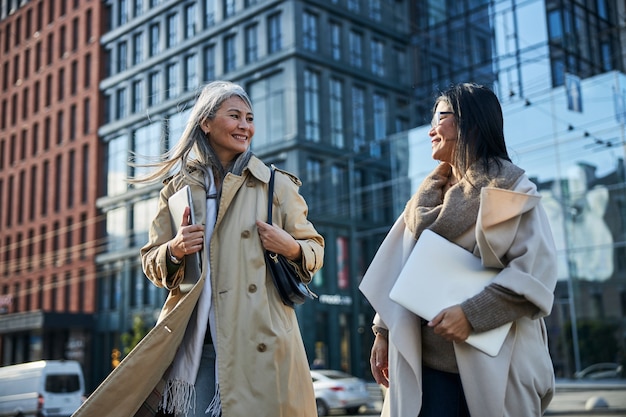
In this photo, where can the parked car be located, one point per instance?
(606, 370)
(336, 390)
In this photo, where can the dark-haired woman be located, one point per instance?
(477, 198)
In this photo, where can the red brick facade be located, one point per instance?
(50, 163)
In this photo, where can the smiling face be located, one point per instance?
(231, 130)
(443, 133)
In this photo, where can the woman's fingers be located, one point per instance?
(188, 240)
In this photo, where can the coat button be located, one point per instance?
(250, 183)
(261, 347)
(252, 288)
(245, 234)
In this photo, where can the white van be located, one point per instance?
(41, 389)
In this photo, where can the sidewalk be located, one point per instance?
(580, 398)
(572, 399)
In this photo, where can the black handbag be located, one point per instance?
(284, 272)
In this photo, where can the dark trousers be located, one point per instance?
(442, 394)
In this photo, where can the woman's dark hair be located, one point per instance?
(478, 115)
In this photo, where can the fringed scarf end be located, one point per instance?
(215, 407)
(178, 397)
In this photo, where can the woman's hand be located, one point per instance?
(189, 239)
(275, 239)
(451, 324)
(378, 360)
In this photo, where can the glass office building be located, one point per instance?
(557, 68)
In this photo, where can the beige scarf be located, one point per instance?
(452, 213)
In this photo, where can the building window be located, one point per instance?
(34, 141)
(74, 77)
(32, 212)
(58, 192)
(120, 108)
(26, 69)
(356, 49)
(62, 45)
(176, 126)
(154, 88)
(275, 34)
(25, 102)
(146, 141)
(122, 54)
(309, 31)
(173, 84)
(86, 116)
(71, 168)
(229, 8)
(375, 10)
(335, 41)
(190, 21)
(50, 48)
(108, 62)
(88, 24)
(606, 56)
(268, 95)
(137, 48)
(3, 118)
(378, 59)
(191, 72)
(117, 165)
(154, 39)
(380, 122)
(251, 44)
(482, 53)
(311, 106)
(75, 36)
(87, 76)
(60, 127)
(336, 113)
(209, 13)
(143, 212)
(358, 118)
(209, 63)
(172, 30)
(38, 52)
(401, 65)
(122, 12)
(230, 53)
(116, 227)
(45, 193)
(314, 183)
(73, 121)
(339, 188)
(137, 8)
(137, 105)
(353, 5)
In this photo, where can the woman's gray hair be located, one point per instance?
(193, 152)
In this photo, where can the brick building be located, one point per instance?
(50, 161)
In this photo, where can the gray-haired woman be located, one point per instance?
(228, 346)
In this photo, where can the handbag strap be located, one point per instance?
(270, 195)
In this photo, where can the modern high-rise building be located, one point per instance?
(50, 170)
(329, 81)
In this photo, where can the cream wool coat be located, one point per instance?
(519, 382)
(263, 368)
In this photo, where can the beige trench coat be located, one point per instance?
(519, 382)
(263, 367)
